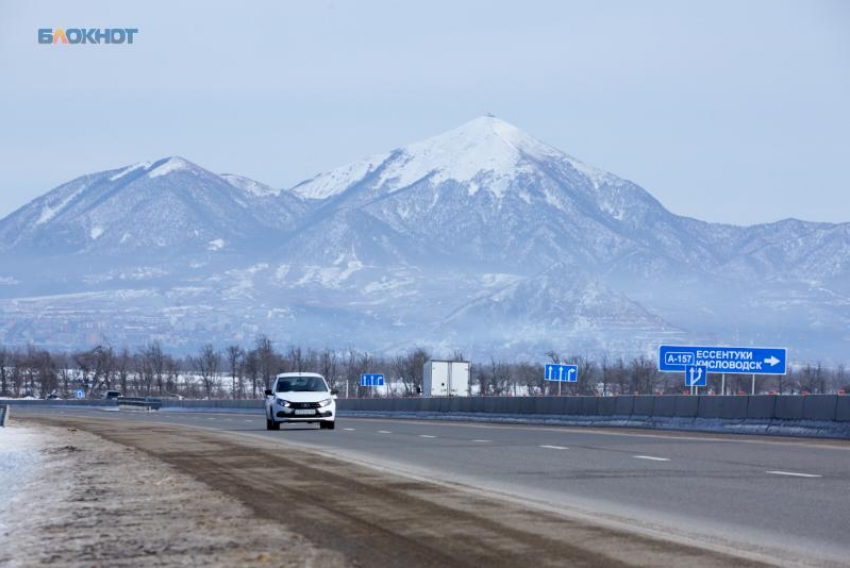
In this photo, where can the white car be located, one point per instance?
(300, 397)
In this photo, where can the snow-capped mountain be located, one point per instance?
(481, 238)
(147, 207)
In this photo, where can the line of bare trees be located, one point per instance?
(244, 372)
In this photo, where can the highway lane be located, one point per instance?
(786, 497)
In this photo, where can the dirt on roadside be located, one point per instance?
(97, 503)
(369, 517)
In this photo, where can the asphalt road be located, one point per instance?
(781, 498)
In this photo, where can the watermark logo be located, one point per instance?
(77, 36)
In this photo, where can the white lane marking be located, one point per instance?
(384, 432)
(249, 421)
(349, 429)
(210, 418)
(793, 474)
(426, 436)
(554, 447)
(481, 441)
(652, 458)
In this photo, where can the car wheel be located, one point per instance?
(327, 425)
(272, 425)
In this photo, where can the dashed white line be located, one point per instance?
(249, 421)
(793, 474)
(349, 429)
(426, 436)
(652, 458)
(384, 432)
(481, 441)
(554, 447)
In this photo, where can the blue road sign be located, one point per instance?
(372, 380)
(561, 373)
(81, 393)
(744, 360)
(696, 376)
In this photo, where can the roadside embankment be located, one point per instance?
(90, 502)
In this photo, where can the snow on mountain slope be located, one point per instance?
(168, 204)
(400, 248)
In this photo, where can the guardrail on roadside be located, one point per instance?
(138, 403)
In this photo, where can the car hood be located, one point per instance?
(303, 396)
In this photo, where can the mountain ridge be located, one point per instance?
(407, 238)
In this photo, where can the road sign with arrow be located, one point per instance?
(743, 360)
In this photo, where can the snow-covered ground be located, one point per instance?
(20, 453)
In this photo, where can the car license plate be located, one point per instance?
(304, 412)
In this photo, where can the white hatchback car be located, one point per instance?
(300, 397)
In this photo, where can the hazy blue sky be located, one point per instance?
(726, 111)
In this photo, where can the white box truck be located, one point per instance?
(445, 378)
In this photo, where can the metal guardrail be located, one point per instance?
(145, 403)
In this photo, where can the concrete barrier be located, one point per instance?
(589, 405)
(819, 407)
(842, 409)
(526, 405)
(664, 406)
(625, 405)
(643, 405)
(727, 407)
(761, 407)
(687, 406)
(608, 406)
(4, 414)
(814, 415)
(789, 408)
(572, 406)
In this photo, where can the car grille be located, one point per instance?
(304, 405)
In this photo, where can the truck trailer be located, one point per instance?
(445, 378)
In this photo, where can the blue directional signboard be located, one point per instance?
(561, 373)
(745, 360)
(81, 393)
(696, 376)
(371, 380)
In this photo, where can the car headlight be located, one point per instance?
(326, 402)
(283, 403)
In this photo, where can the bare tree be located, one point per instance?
(207, 364)
(235, 356)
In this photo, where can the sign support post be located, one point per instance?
(723, 384)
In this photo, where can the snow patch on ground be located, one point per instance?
(215, 244)
(95, 232)
(19, 457)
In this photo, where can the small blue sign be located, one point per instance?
(561, 373)
(696, 376)
(81, 393)
(372, 380)
(743, 360)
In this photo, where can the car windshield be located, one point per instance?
(301, 384)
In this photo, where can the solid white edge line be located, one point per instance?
(652, 458)
(554, 447)
(793, 473)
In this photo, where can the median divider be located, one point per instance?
(825, 416)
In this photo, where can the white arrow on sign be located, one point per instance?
(772, 360)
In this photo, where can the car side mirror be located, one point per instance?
(268, 392)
